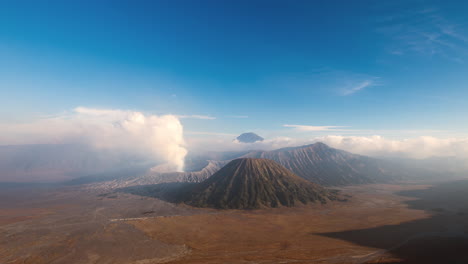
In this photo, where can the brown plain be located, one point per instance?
(287, 234)
(407, 223)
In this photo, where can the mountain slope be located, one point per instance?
(328, 166)
(254, 183)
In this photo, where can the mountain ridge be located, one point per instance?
(328, 166)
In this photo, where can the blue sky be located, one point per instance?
(394, 68)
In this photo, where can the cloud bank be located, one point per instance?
(418, 147)
(227, 142)
(377, 146)
(197, 117)
(157, 139)
(316, 128)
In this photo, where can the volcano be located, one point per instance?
(250, 183)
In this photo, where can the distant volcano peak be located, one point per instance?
(249, 137)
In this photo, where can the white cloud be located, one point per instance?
(238, 116)
(209, 133)
(340, 130)
(197, 117)
(228, 143)
(417, 147)
(156, 138)
(315, 128)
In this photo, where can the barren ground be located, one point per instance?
(408, 223)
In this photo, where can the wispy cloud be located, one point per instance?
(209, 133)
(346, 130)
(325, 80)
(346, 83)
(316, 128)
(197, 117)
(237, 116)
(357, 87)
(424, 31)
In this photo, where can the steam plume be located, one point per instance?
(156, 138)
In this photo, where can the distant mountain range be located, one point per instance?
(61, 162)
(316, 162)
(249, 183)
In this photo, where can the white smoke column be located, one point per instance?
(172, 141)
(155, 138)
(159, 136)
